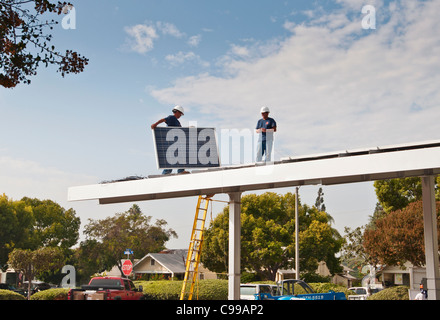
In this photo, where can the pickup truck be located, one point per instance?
(299, 290)
(107, 288)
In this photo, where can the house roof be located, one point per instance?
(174, 260)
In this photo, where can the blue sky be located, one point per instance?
(331, 85)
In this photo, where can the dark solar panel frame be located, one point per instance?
(186, 138)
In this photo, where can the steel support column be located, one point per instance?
(296, 234)
(431, 244)
(234, 246)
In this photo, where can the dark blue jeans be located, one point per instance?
(168, 171)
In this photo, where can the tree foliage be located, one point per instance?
(16, 221)
(399, 236)
(396, 194)
(268, 237)
(54, 226)
(25, 41)
(31, 263)
(395, 232)
(108, 238)
(33, 223)
(353, 252)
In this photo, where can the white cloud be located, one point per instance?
(240, 51)
(194, 40)
(331, 84)
(142, 37)
(169, 29)
(182, 57)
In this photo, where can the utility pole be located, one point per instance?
(296, 236)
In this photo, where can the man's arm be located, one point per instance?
(154, 125)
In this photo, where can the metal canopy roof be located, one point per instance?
(348, 166)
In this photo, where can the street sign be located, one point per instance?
(127, 267)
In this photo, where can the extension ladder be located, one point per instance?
(195, 248)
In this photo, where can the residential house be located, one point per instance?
(170, 264)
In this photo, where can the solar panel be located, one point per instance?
(181, 147)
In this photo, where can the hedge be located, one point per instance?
(51, 294)
(324, 287)
(393, 293)
(170, 290)
(10, 295)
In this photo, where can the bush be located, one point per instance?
(326, 287)
(170, 290)
(51, 294)
(393, 293)
(10, 295)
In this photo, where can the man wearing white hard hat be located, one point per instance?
(171, 121)
(266, 126)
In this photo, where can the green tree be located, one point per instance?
(107, 239)
(25, 41)
(16, 221)
(88, 260)
(353, 251)
(319, 203)
(396, 194)
(54, 226)
(31, 263)
(268, 237)
(32, 224)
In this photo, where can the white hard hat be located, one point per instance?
(179, 108)
(265, 109)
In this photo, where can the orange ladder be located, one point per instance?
(195, 248)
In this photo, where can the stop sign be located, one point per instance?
(127, 267)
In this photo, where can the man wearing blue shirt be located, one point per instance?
(265, 127)
(171, 121)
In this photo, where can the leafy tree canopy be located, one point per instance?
(32, 263)
(396, 194)
(268, 237)
(398, 237)
(33, 223)
(107, 239)
(25, 41)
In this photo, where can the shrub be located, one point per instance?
(10, 295)
(326, 287)
(393, 293)
(51, 294)
(170, 290)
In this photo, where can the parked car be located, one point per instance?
(362, 293)
(6, 286)
(36, 286)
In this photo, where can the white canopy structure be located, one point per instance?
(348, 166)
